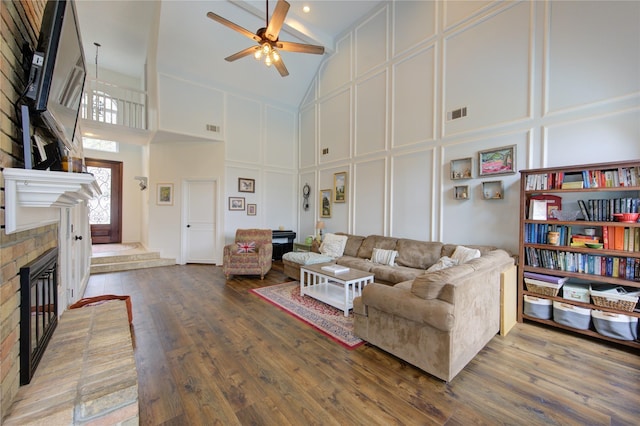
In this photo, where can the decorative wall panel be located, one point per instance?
(488, 72)
(372, 46)
(593, 136)
(371, 115)
(413, 23)
(456, 12)
(414, 99)
(412, 186)
(308, 137)
(609, 61)
(335, 127)
(242, 140)
(335, 72)
(369, 189)
(280, 148)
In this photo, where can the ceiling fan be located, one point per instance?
(267, 38)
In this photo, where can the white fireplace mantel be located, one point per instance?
(34, 198)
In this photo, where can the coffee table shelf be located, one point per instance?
(337, 290)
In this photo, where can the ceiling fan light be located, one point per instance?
(275, 56)
(266, 48)
(267, 60)
(258, 54)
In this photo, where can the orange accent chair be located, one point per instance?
(250, 254)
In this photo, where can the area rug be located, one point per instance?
(328, 320)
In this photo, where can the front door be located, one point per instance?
(105, 211)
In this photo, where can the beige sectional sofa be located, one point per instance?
(436, 320)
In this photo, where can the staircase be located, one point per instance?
(125, 257)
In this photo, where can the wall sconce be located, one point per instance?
(143, 182)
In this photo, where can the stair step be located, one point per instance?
(149, 255)
(129, 265)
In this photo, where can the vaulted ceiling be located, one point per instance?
(187, 44)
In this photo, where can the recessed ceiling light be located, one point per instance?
(306, 9)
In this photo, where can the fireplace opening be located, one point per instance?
(38, 310)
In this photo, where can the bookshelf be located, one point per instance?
(579, 200)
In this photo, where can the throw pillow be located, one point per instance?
(384, 257)
(247, 247)
(464, 254)
(443, 263)
(333, 245)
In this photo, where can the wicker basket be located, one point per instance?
(613, 301)
(545, 290)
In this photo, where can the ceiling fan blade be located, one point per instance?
(241, 54)
(279, 64)
(299, 47)
(277, 19)
(233, 26)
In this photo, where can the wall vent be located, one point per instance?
(325, 151)
(213, 128)
(457, 113)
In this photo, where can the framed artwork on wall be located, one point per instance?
(164, 196)
(252, 209)
(246, 185)
(340, 187)
(325, 202)
(236, 203)
(497, 161)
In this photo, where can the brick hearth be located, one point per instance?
(87, 374)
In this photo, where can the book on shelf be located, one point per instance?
(546, 278)
(572, 185)
(336, 269)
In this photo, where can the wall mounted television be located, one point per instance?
(58, 71)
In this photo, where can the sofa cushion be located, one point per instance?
(355, 263)
(333, 245)
(417, 254)
(366, 248)
(448, 249)
(443, 263)
(464, 254)
(353, 244)
(429, 285)
(306, 257)
(394, 274)
(384, 257)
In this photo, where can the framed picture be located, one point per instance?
(246, 185)
(40, 144)
(461, 192)
(340, 187)
(236, 203)
(461, 168)
(252, 209)
(164, 196)
(325, 202)
(497, 161)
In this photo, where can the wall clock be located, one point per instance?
(306, 190)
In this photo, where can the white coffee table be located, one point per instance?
(337, 290)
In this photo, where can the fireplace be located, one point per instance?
(38, 310)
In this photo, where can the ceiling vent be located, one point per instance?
(213, 128)
(457, 113)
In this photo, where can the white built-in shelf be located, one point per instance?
(34, 197)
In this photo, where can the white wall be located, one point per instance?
(173, 162)
(559, 80)
(260, 142)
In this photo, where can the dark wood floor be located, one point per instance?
(210, 352)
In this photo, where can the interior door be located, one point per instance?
(105, 211)
(199, 233)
